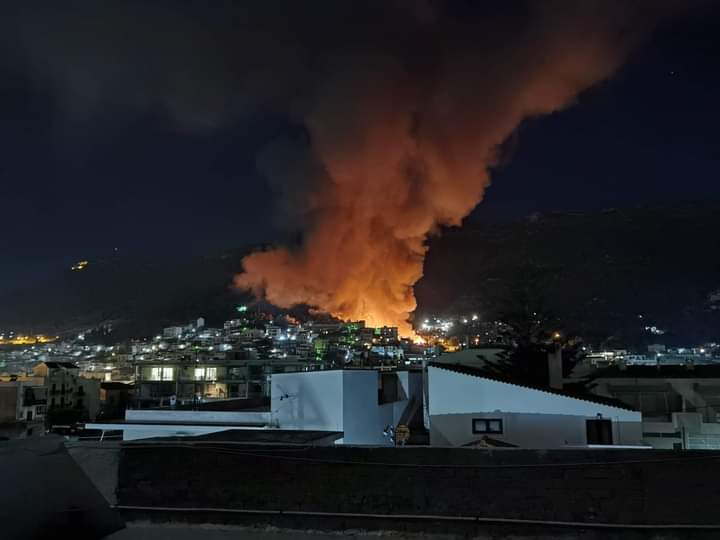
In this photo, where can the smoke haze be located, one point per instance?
(399, 147)
(398, 110)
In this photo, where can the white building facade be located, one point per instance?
(359, 403)
(151, 423)
(463, 408)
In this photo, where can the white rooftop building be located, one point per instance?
(465, 408)
(359, 403)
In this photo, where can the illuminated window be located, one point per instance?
(487, 425)
(205, 374)
(161, 374)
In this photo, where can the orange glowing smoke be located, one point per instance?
(400, 152)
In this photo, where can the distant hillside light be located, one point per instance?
(241, 309)
(79, 266)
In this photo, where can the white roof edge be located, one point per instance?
(524, 387)
(127, 426)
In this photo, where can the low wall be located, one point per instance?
(620, 487)
(195, 417)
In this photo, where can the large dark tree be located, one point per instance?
(534, 333)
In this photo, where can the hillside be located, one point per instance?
(138, 295)
(601, 274)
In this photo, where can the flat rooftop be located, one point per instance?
(265, 436)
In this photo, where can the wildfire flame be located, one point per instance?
(395, 152)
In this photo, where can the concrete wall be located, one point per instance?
(8, 401)
(182, 423)
(91, 397)
(139, 431)
(527, 430)
(44, 494)
(532, 418)
(363, 418)
(195, 417)
(689, 433)
(342, 400)
(607, 486)
(307, 400)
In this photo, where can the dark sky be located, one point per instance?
(83, 176)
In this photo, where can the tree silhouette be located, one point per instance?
(533, 332)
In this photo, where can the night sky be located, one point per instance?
(83, 177)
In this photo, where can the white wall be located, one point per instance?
(451, 392)
(531, 418)
(341, 400)
(527, 430)
(364, 418)
(139, 431)
(197, 417)
(311, 400)
(692, 434)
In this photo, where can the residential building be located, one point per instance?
(150, 423)
(389, 333)
(68, 390)
(272, 331)
(467, 408)
(680, 405)
(115, 398)
(359, 406)
(22, 399)
(366, 405)
(200, 376)
(172, 332)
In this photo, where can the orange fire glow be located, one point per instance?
(397, 157)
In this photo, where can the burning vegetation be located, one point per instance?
(402, 128)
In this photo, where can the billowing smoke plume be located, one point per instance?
(401, 139)
(397, 108)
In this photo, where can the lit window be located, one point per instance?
(205, 374)
(161, 374)
(487, 425)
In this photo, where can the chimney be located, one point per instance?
(555, 371)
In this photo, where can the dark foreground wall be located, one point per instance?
(622, 487)
(44, 494)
